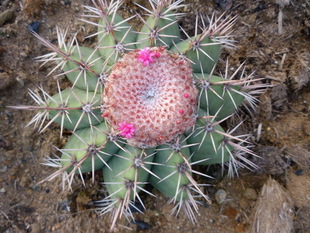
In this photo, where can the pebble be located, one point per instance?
(34, 26)
(250, 194)
(299, 172)
(6, 80)
(141, 225)
(29, 191)
(306, 128)
(76, 7)
(299, 188)
(231, 212)
(65, 2)
(2, 190)
(244, 203)
(56, 227)
(35, 227)
(24, 181)
(3, 169)
(4, 143)
(240, 228)
(6, 16)
(220, 196)
(36, 188)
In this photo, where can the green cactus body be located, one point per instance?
(112, 40)
(78, 105)
(211, 146)
(158, 32)
(197, 53)
(84, 68)
(224, 98)
(171, 161)
(124, 170)
(89, 148)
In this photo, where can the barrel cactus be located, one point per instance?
(145, 105)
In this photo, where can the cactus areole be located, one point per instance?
(150, 97)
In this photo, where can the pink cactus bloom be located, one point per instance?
(126, 130)
(146, 56)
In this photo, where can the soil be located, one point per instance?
(280, 128)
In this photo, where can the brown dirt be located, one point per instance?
(283, 115)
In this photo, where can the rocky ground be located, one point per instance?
(273, 37)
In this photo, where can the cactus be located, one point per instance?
(145, 106)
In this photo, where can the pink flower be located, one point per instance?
(126, 130)
(186, 95)
(146, 56)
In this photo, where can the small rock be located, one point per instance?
(3, 169)
(306, 128)
(56, 227)
(32, 7)
(23, 54)
(230, 212)
(5, 80)
(82, 200)
(36, 188)
(2, 190)
(76, 7)
(240, 228)
(65, 205)
(251, 19)
(34, 26)
(250, 194)
(299, 188)
(299, 172)
(142, 225)
(66, 2)
(21, 77)
(6, 16)
(4, 143)
(29, 191)
(2, 50)
(244, 203)
(220, 196)
(35, 227)
(24, 181)
(224, 4)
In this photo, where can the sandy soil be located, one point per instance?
(280, 127)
